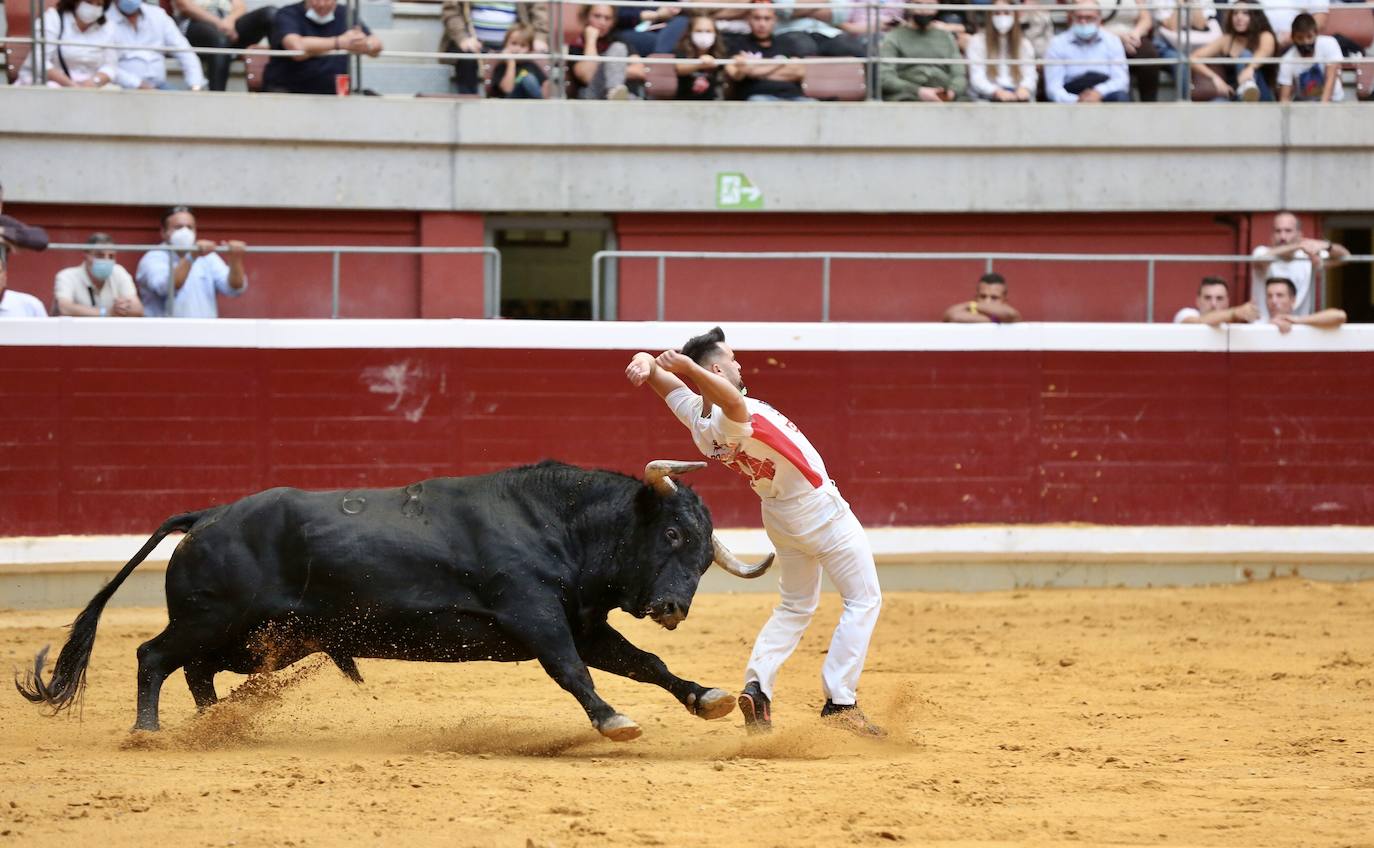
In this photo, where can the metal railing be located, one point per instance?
(827, 258)
(560, 60)
(491, 265)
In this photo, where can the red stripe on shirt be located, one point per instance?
(765, 432)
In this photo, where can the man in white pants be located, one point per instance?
(808, 522)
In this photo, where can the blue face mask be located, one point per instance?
(128, 7)
(101, 268)
(1085, 32)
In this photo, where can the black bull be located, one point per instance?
(517, 565)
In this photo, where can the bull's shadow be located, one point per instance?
(517, 565)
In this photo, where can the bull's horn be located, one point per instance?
(736, 566)
(660, 473)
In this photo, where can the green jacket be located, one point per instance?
(906, 42)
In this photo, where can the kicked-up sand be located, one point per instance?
(1229, 716)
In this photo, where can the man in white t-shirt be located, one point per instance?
(807, 521)
(15, 304)
(1214, 306)
(1311, 68)
(1293, 257)
(1278, 297)
(99, 286)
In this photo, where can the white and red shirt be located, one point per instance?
(768, 449)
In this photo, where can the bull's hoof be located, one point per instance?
(620, 728)
(714, 703)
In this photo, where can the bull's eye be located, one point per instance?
(673, 536)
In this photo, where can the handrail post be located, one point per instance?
(825, 289)
(987, 265)
(596, 285)
(661, 284)
(557, 70)
(39, 26)
(1184, 21)
(334, 285)
(1150, 292)
(495, 283)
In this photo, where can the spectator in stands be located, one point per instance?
(989, 305)
(98, 286)
(1246, 35)
(603, 80)
(80, 61)
(518, 80)
(191, 267)
(1203, 28)
(647, 27)
(138, 28)
(222, 24)
(1283, 13)
(1279, 293)
(483, 28)
(1214, 306)
(855, 19)
(1132, 23)
(1311, 68)
(806, 32)
(921, 39)
(320, 29)
(15, 233)
(777, 80)
(699, 77)
(1098, 72)
(15, 304)
(1001, 59)
(1295, 258)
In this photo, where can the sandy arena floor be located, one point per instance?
(1225, 716)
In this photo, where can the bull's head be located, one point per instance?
(680, 535)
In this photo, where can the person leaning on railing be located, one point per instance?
(99, 286)
(1213, 306)
(320, 29)
(921, 39)
(82, 61)
(222, 24)
(139, 29)
(1247, 38)
(191, 266)
(1001, 59)
(762, 81)
(989, 304)
(702, 58)
(482, 27)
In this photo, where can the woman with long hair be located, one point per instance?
(602, 80)
(1248, 39)
(699, 74)
(1001, 59)
(83, 64)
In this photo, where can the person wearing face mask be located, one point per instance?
(81, 60)
(222, 23)
(702, 57)
(320, 29)
(1001, 59)
(1311, 68)
(139, 29)
(932, 83)
(1086, 64)
(98, 286)
(191, 268)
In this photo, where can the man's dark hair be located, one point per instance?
(1212, 281)
(99, 238)
(1292, 289)
(700, 349)
(175, 210)
(1304, 23)
(993, 278)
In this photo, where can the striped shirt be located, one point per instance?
(491, 21)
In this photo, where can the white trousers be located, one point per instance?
(839, 547)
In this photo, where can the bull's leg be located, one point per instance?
(549, 638)
(200, 677)
(155, 663)
(604, 648)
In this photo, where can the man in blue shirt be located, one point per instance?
(320, 29)
(1098, 71)
(191, 267)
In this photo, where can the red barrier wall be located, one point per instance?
(106, 440)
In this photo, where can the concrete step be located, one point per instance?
(407, 78)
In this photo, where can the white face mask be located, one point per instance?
(87, 13)
(1003, 23)
(703, 40)
(182, 238)
(318, 18)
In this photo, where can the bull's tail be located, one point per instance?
(69, 672)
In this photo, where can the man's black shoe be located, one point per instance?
(757, 709)
(850, 717)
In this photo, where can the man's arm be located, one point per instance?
(714, 388)
(1327, 319)
(965, 312)
(643, 369)
(1243, 314)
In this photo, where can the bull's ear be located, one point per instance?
(660, 473)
